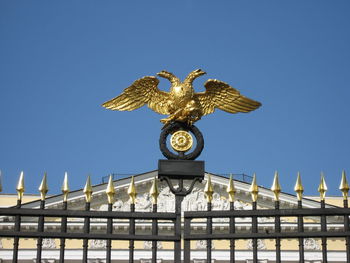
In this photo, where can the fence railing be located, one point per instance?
(154, 219)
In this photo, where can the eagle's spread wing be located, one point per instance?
(220, 95)
(142, 91)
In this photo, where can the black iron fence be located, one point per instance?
(180, 232)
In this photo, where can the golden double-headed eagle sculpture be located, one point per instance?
(181, 103)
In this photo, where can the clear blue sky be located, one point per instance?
(60, 60)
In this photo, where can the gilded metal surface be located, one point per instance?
(43, 189)
(20, 186)
(132, 191)
(209, 190)
(276, 187)
(231, 190)
(181, 103)
(88, 190)
(344, 186)
(254, 189)
(154, 192)
(110, 191)
(181, 141)
(298, 188)
(65, 187)
(322, 188)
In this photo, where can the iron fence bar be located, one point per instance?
(301, 230)
(324, 229)
(17, 228)
(278, 230)
(282, 235)
(179, 196)
(232, 231)
(109, 231)
(154, 233)
(336, 211)
(140, 237)
(187, 243)
(40, 229)
(346, 229)
(91, 214)
(132, 232)
(86, 231)
(254, 231)
(209, 232)
(63, 230)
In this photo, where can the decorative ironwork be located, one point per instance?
(103, 241)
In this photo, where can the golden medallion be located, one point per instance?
(181, 141)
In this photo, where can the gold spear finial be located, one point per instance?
(322, 189)
(154, 192)
(65, 187)
(254, 189)
(88, 190)
(231, 190)
(20, 186)
(132, 191)
(43, 189)
(110, 191)
(0, 181)
(344, 186)
(298, 188)
(276, 187)
(208, 189)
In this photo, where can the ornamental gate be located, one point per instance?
(183, 231)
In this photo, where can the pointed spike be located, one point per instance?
(65, 187)
(231, 190)
(20, 186)
(110, 191)
(154, 192)
(209, 190)
(88, 190)
(322, 189)
(43, 189)
(254, 189)
(0, 181)
(298, 188)
(276, 187)
(132, 191)
(344, 186)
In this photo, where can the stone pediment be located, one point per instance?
(193, 202)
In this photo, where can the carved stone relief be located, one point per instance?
(260, 244)
(202, 244)
(311, 244)
(97, 244)
(148, 245)
(48, 243)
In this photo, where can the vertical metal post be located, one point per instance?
(278, 230)
(40, 230)
(187, 243)
(86, 231)
(255, 230)
(324, 229)
(17, 229)
(232, 231)
(132, 232)
(301, 230)
(177, 244)
(154, 233)
(109, 231)
(346, 229)
(63, 230)
(209, 232)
